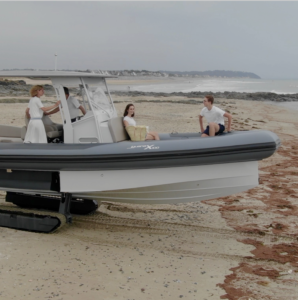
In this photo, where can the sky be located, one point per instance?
(258, 37)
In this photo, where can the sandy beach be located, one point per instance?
(239, 247)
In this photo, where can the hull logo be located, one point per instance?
(146, 147)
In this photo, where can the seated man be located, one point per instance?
(74, 106)
(215, 118)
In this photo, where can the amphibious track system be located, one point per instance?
(42, 214)
(30, 220)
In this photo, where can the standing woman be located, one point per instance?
(36, 132)
(128, 120)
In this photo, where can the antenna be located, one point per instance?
(56, 61)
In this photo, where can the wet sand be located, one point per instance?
(238, 247)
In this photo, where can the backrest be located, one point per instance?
(117, 129)
(47, 122)
(10, 131)
(26, 121)
(52, 129)
(23, 132)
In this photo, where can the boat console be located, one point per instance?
(93, 94)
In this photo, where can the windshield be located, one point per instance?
(98, 99)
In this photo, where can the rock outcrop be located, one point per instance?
(20, 88)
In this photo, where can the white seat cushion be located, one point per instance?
(10, 140)
(117, 129)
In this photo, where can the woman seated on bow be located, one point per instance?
(128, 120)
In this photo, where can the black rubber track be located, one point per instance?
(77, 206)
(29, 221)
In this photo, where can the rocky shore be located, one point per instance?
(20, 88)
(259, 96)
(9, 88)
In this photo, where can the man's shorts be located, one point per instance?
(75, 119)
(221, 129)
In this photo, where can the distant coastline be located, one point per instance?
(215, 74)
(187, 74)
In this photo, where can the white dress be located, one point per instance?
(35, 132)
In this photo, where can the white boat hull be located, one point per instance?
(161, 186)
(158, 186)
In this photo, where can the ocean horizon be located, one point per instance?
(247, 85)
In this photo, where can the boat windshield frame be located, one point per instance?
(86, 90)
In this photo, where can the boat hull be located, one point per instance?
(163, 185)
(179, 168)
(157, 186)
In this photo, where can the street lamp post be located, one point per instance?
(56, 61)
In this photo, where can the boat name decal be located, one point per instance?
(146, 147)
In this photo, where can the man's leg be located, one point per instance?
(205, 133)
(213, 128)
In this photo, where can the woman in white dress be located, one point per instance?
(36, 132)
(128, 120)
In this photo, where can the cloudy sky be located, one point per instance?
(258, 37)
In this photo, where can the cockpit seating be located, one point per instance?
(53, 130)
(12, 134)
(117, 129)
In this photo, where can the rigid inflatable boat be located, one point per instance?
(98, 162)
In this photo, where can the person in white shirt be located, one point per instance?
(128, 120)
(215, 118)
(36, 131)
(74, 107)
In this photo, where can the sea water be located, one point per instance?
(247, 85)
(288, 105)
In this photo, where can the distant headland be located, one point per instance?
(216, 73)
(192, 74)
(196, 74)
